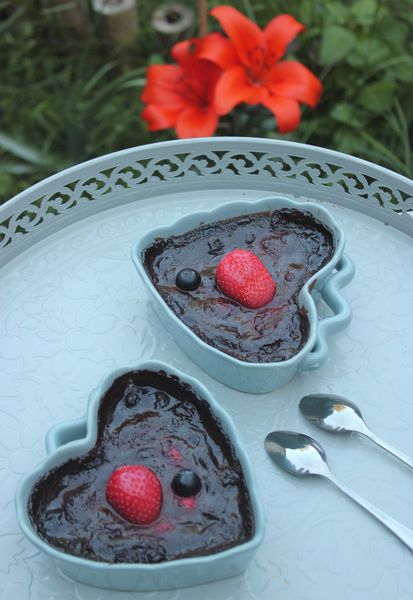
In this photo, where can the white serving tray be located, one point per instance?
(72, 309)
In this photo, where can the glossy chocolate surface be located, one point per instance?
(156, 420)
(293, 246)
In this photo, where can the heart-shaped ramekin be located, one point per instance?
(75, 438)
(259, 377)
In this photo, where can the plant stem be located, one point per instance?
(249, 10)
(203, 17)
(404, 135)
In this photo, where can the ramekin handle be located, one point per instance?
(63, 433)
(341, 309)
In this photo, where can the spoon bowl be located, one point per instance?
(339, 415)
(296, 453)
(300, 455)
(332, 413)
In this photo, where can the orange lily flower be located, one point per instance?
(252, 71)
(181, 96)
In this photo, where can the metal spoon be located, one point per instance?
(300, 455)
(338, 415)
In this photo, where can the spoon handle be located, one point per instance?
(403, 533)
(386, 446)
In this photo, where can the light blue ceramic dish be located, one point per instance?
(260, 377)
(72, 439)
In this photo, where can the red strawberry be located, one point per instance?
(136, 493)
(242, 276)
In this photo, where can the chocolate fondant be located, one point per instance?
(292, 244)
(153, 419)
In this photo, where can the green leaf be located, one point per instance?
(7, 23)
(348, 114)
(16, 168)
(133, 83)
(394, 33)
(404, 70)
(377, 96)
(335, 13)
(20, 150)
(369, 51)
(6, 185)
(346, 140)
(155, 59)
(98, 76)
(364, 11)
(306, 10)
(336, 43)
(393, 159)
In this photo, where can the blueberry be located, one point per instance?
(131, 398)
(188, 280)
(186, 483)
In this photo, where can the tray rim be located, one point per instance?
(101, 160)
(64, 198)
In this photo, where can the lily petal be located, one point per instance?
(234, 87)
(163, 86)
(279, 33)
(186, 52)
(291, 79)
(196, 122)
(247, 37)
(286, 111)
(218, 50)
(158, 117)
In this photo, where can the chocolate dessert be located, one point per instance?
(151, 419)
(292, 245)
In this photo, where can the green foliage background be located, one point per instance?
(66, 98)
